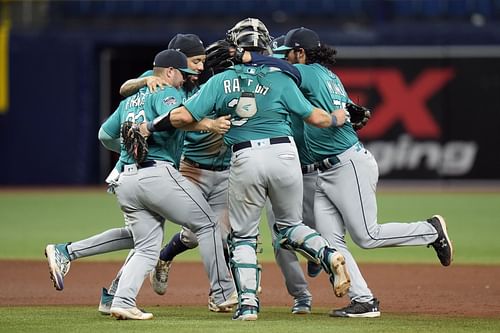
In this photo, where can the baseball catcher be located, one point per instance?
(135, 143)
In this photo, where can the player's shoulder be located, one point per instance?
(306, 68)
(166, 90)
(149, 72)
(229, 72)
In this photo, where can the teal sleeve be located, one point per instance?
(165, 101)
(110, 131)
(296, 103)
(109, 142)
(203, 102)
(147, 73)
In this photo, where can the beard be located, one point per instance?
(190, 85)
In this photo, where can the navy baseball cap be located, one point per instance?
(173, 58)
(189, 44)
(275, 44)
(300, 38)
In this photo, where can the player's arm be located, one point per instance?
(287, 68)
(109, 133)
(181, 118)
(184, 117)
(132, 86)
(218, 125)
(321, 118)
(108, 141)
(296, 103)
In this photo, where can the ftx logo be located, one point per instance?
(401, 101)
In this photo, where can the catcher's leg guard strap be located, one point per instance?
(245, 270)
(302, 239)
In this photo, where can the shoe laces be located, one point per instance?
(302, 302)
(161, 274)
(61, 261)
(356, 307)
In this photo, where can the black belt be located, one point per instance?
(328, 163)
(272, 141)
(205, 166)
(145, 164)
(309, 168)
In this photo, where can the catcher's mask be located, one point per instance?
(250, 34)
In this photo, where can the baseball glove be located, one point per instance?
(220, 55)
(359, 115)
(218, 58)
(135, 143)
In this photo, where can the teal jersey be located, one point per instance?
(147, 73)
(144, 106)
(206, 148)
(325, 90)
(298, 136)
(276, 97)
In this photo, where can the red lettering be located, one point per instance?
(400, 102)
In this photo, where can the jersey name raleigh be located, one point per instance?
(233, 85)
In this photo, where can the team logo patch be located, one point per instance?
(170, 100)
(232, 103)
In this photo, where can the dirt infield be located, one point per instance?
(472, 291)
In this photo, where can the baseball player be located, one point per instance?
(189, 44)
(152, 191)
(205, 162)
(295, 281)
(264, 163)
(121, 238)
(345, 193)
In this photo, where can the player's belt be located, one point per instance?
(272, 141)
(145, 164)
(328, 163)
(309, 168)
(205, 166)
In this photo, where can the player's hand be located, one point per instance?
(154, 83)
(239, 55)
(143, 128)
(221, 125)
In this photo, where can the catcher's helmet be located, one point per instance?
(250, 34)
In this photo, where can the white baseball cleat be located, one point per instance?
(226, 306)
(58, 262)
(130, 313)
(334, 263)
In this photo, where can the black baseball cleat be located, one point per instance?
(369, 309)
(442, 245)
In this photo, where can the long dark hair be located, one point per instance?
(325, 55)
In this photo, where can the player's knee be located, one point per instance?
(189, 239)
(241, 244)
(365, 242)
(302, 239)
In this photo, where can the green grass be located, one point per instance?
(31, 219)
(198, 319)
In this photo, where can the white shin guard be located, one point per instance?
(245, 269)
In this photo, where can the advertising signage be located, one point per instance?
(435, 112)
